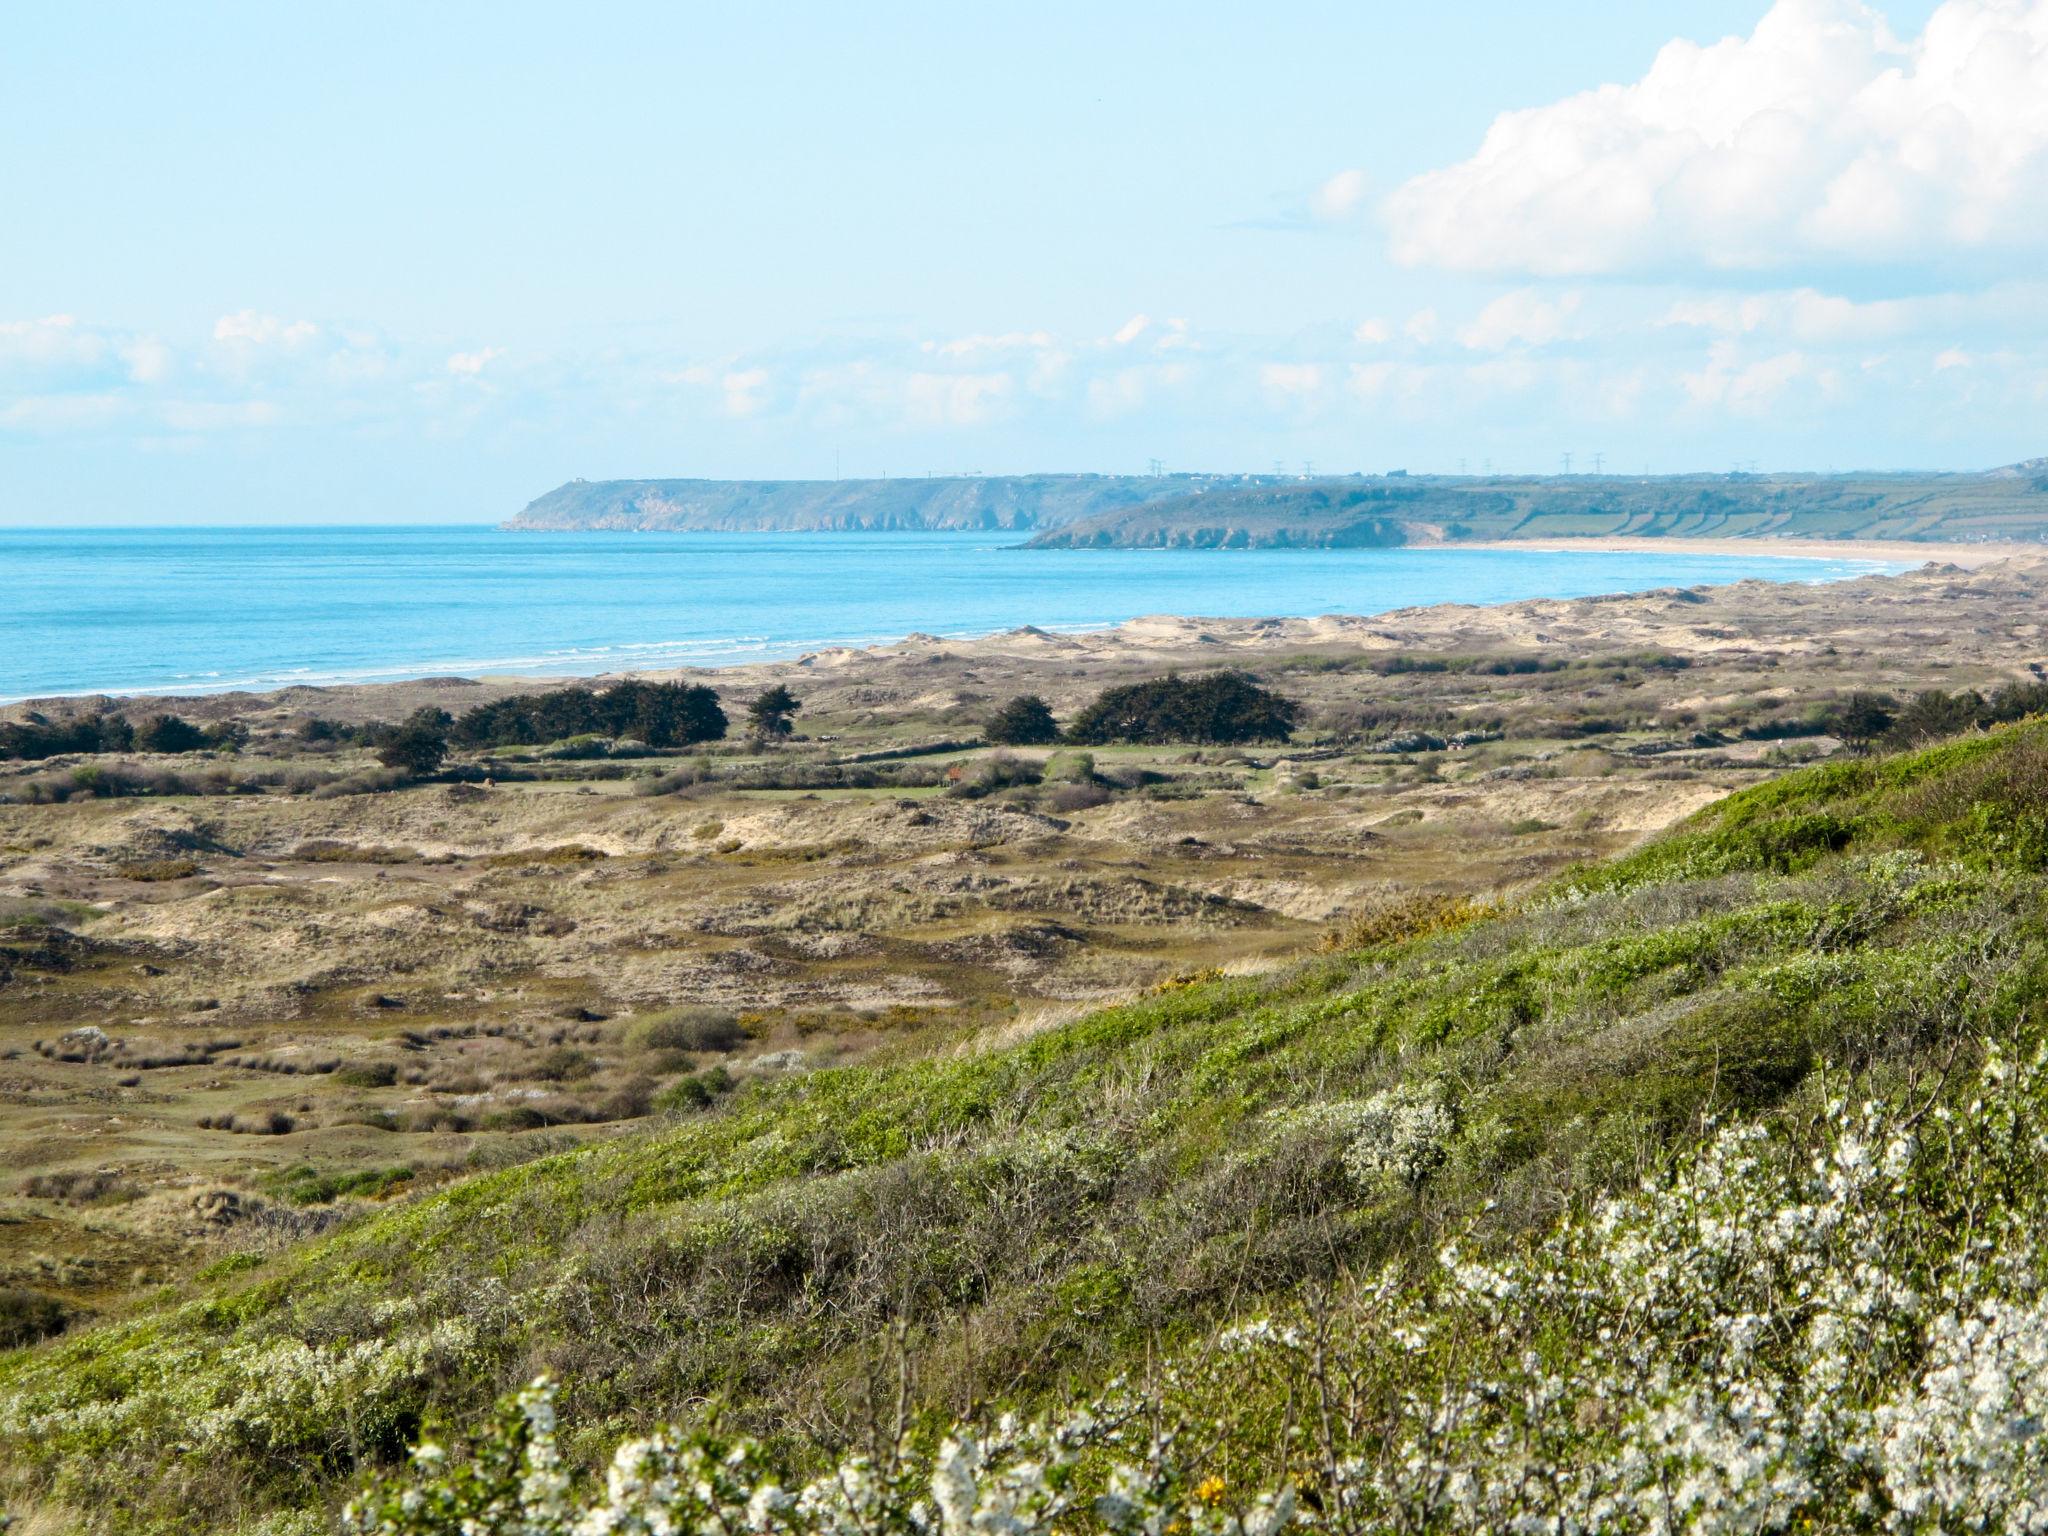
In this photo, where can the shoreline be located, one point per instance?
(1143, 633)
(1908, 552)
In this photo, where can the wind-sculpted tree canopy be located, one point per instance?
(418, 745)
(1026, 721)
(659, 714)
(769, 712)
(1215, 708)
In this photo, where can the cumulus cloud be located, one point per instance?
(247, 328)
(1295, 381)
(746, 391)
(1372, 333)
(954, 399)
(984, 341)
(1131, 330)
(1820, 136)
(1341, 196)
(1522, 318)
(470, 364)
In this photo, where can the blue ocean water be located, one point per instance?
(190, 610)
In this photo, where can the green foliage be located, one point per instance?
(419, 745)
(659, 714)
(1026, 721)
(38, 737)
(303, 1184)
(1216, 708)
(769, 712)
(169, 733)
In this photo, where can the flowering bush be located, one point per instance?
(1016, 1481)
(1847, 1330)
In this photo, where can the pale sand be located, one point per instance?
(1968, 556)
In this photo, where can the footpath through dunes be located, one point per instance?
(1026, 1219)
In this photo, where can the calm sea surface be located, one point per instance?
(195, 610)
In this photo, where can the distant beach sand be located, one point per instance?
(1968, 556)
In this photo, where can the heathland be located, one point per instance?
(829, 1084)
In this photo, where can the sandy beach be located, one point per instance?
(1908, 552)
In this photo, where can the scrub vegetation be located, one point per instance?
(1702, 1179)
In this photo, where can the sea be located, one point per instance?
(196, 610)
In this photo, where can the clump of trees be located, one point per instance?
(39, 737)
(1214, 709)
(36, 738)
(1865, 719)
(660, 714)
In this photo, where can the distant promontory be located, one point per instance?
(1190, 511)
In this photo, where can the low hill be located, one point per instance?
(1014, 502)
(2008, 504)
(1254, 511)
(1027, 1219)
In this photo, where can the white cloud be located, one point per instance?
(982, 341)
(746, 391)
(954, 399)
(1818, 136)
(247, 328)
(1522, 318)
(1293, 380)
(1372, 333)
(53, 341)
(470, 364)
(1341, 196)
(1747, 388)
(1131, 330)
(1421, 327)
(216, 415)
(1952, 357)
(45, 415)
(148, 360)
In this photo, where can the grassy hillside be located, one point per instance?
(1024, 1220)
(1403, 509)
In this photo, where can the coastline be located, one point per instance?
(1225, 583)
(1696, 621)
(1889, 551)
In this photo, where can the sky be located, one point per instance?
(345, 263)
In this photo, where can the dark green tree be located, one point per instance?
(227, 735)
(1860, 718)
(168, 733)
(1026, 721)
(768, 715)
(418, 746)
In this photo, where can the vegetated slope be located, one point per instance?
(1412, 509)
(1036, 1216)
(866, 506)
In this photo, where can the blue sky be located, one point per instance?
(345, 263)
